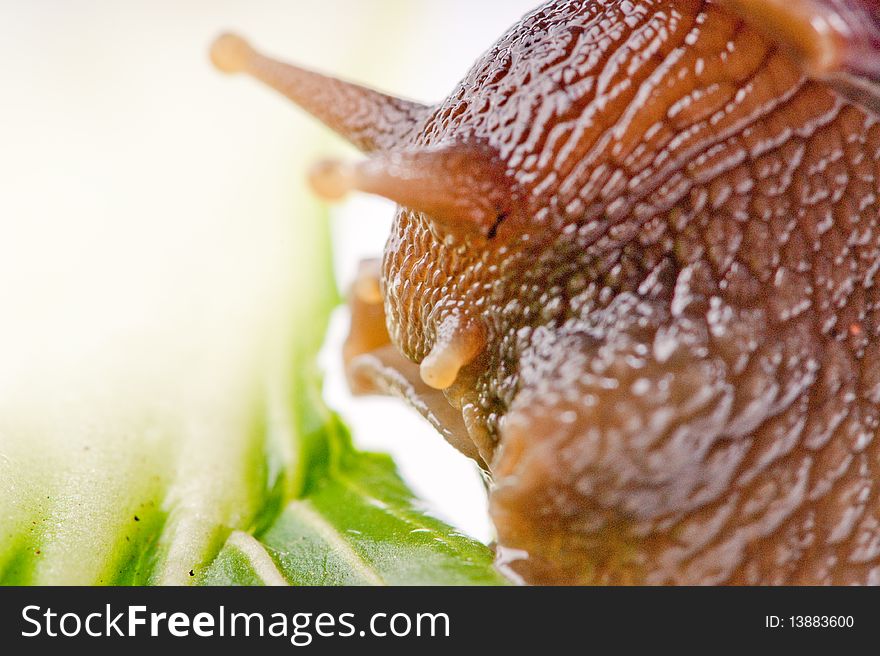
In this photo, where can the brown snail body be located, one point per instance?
(633, 276)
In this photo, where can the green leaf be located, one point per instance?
(248, 479)
(358, 524)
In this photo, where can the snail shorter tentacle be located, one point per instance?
(459, 341)
(368, 284)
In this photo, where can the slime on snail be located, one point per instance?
(633, 276)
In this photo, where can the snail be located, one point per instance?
(633, 276)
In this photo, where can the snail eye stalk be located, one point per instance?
(370, 120)
(835, 41)
(464, 189)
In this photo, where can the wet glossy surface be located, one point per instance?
(664, 333)
(680, 381)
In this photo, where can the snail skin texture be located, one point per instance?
(633, 275)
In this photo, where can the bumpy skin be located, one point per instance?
(674, 289)
(682, 375)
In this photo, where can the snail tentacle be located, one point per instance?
(371, 120)
(460, 187)
(835, 41)
(459, 341)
